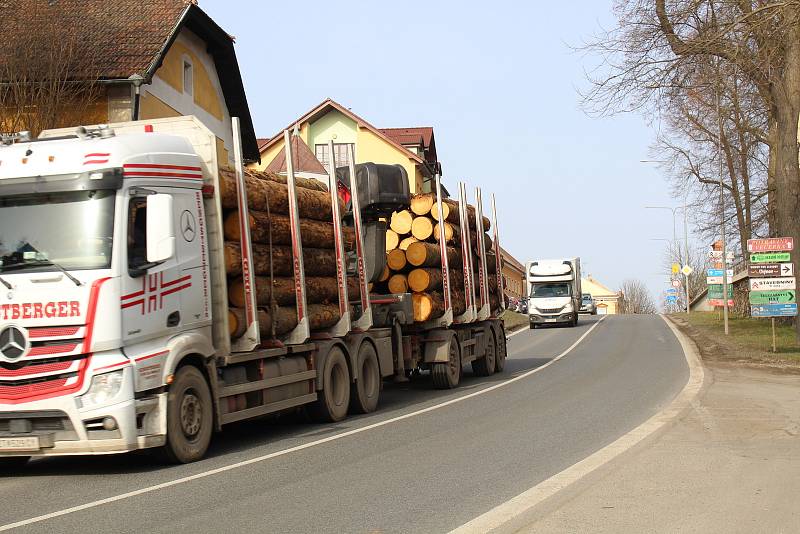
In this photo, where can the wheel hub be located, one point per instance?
(191, 414)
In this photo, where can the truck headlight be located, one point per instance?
(103, 388)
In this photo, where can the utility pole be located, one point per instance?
(722, 210)
(686, 251)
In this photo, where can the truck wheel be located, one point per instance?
(190, 416)
(485, 365)
(500, 353)
(332, 402)
(447, 375)
(12, 464)
(365, 392)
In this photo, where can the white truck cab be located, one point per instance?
(554, 291)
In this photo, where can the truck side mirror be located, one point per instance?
(160, 228)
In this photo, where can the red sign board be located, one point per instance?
(771, 244)
(720, 302)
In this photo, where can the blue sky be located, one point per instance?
(499, 83)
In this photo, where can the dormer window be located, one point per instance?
(188, 77)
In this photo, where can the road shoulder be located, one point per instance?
(729, 465)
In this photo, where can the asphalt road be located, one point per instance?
(428, 472)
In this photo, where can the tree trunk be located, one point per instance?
(424, 279)
(314, 234)
(308, 183)
(429, 306)
(396, 259)
(318, 290)
(320, 317)
(422, 228)
(450, 209)
(422, 254)
(392, 240)
(385, 274)
(317, 261)
(311, 204)
(450, 232)
(398, 283)
(406, 242)
(422, 204)
(401, 222)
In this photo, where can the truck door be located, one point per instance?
(150, 299)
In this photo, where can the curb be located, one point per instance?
(524, 509)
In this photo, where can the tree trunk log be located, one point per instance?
(314, 234)
(320, 317)
(317, 261)
(398, 283)
(424, 279)
(396, 259)
(401, 222)
(422, 228)
(451, 214)
(318, 290)
(385, 274)
(422, 204)
(392, 240)
(451, 234)
(407, 241)
(422, 254)
(429, 306)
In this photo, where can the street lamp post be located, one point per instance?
(675, 241)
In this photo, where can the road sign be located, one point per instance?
(718, 272)
(671, 291)
(712, 280)
(772, 244)
(715, 291)
(686, 270)
(676, 283)
(675, 268)
(761, 270)
(773, 310)
(765, 284)
(720, 302)
(773, 297)
(770, 257)
(672, 298)
(717, 254)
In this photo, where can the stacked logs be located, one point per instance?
(413, 255)
(270, 233)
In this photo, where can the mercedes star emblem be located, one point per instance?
(13, 342)
(188, 226)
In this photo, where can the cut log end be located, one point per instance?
(396, 259)
(398, 283)
(422, 204)
(422, 228)
(392, 240)
(401, 222)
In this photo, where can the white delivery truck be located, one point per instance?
(554, 291)
(115, 332)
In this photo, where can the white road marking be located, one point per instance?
(258, 459)
(515, 514)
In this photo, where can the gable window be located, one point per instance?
(339, 150)
(188, 77)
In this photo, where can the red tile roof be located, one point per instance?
(514, 262)
(303, 160)
(408, 136)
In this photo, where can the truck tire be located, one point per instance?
(190, 416)
(447, 375)
(485, 365)
(334, 399)
(500, 353)
(12, 464)
(366, 390)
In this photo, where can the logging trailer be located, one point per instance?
(114, 324)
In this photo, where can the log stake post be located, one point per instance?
(364, 322)
(301, 332)
(484, 312)
(447, 317)
(466, 252)
(342, 326)
(497, 257)
(252, 336)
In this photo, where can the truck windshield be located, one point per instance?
(551, 289)
(72, 229)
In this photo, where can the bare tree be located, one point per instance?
(636, 298)
(48, 75)
(676, 254)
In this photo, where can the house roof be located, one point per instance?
(303, 160)
(324, 108)
(606, 292)
(409, 136)
(511, 260)
(122, 38)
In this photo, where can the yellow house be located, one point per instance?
(513, 275)
(413, 148)
(608, 302)
(148, 60)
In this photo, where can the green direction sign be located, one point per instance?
(715, 291)
(770, 257)
(773, 297)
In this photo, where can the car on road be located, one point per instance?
(587, 304)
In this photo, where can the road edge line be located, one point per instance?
(525, 508)
(296, 448)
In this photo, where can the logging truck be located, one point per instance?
(149, 298)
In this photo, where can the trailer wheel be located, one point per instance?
(485, 365)
(11, 464)
(447, 375)
(500, 352)
(190, 416)
(332, 402)
(364, 393)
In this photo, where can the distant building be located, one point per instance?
(513, 275)
(413, 148)
(151, 59)
(608, 302)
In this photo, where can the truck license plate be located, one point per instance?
(30, 443)
(550, 320)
